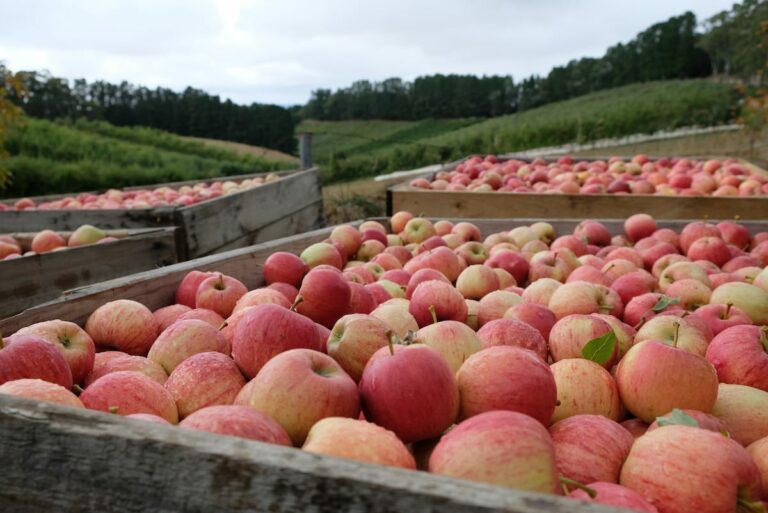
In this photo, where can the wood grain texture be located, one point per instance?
(31, 280)
(66, 459)
(206, 227)
(575, 206)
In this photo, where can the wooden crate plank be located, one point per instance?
(506, 205)
(213, 224)
(28, 281)
(78, 460)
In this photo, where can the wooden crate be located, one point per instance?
(570, 206)
(79, 460)
(292, 204)
(31, 280)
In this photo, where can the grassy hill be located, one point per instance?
(49, 157)
(350, 150)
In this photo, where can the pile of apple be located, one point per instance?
(682, 176)
(48, 240)
(183, 196)
(628, 370)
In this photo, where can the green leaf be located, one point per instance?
(677, 418)
(665, 301)
(600, 349)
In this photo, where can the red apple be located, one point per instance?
(639, 226)
(185, 294)
(167, 315)
(316, 289)
(610, 494)
(126, 392)
(436, 300)
(584, 387)
(538, 316)
(41, 390)
(353, 340)
(123, 324)
(75, 345)
(47, 240)
(571, 333)
(240, 421)
(183, 339)
(219, 293)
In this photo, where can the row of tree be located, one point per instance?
(729, 45)
(190, 112)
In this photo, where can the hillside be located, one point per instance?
(49, 157)
(355, 149)
(246, 149)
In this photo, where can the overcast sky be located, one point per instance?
(279, 51)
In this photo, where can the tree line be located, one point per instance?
(190, 112)
(730, 45)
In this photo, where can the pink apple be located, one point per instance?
(358, 440)
(721, 317)
(540, 291)
(399, 220)
(74, 343)
(348, 236)
(318, 286)
(203, 314)
(219, 293)
(507, 378)
(185, 294)
(299, 387)
(584, 387)
(513, 262)
(571, 333)
(123, 324)
(611, 494)
(744, 411)
(501, 448)
(538, 316)
(633, 284)
(580, 297)
(436, 300)
(455, 341)
(265, 331)
(41, 390)
(387, 391)
(511, 332)
(639, 226)
(126, 392)
(47, 240)
(239, 421)
(183, 339)
(704, 420)
(204, 379)
(353, 340)
(167, 315)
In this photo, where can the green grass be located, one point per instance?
(637, 108)
(49, 157)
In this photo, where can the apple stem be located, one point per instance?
(77, 389)
(433, 312)
(566, 482)
(223, 325)
(113, 409)
(390, 342)
(727, 310)
(296, 303)
(744, 505)
(2, 342)
(640, 323)
(677, 333)
(763, 338)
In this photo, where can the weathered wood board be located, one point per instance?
(572, 206)
(235, 220)
(31, 280)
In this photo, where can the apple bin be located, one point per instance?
(291, 204)
(575, 204)
(33, 279)
(81, 459)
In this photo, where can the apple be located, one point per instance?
(738, 354)
(654, 378)
(434, 301)
(584, 387)
(581, 297)
(259, 297)
(647, 306)
(705, 421)
(265, 331)
(322, 253)
(167, 315)
(578, 246)
(41, 390)
(467, 231)
(571, 333)
(395, 313)
(744, 411)
(372, 234)
(694, 231)
(240, 421)
(358, 440)
(399, 220)
(590, 448)
(611, 494)
(692, 293)
(148, 417)
(369, 249)
(47, 240)
(713, 249)
(455, 341)
(501, 448)
(203, 314)
(494, 305)
(594, 232)
(360, 299)
(219, 293)
(441, 259)
(633, 284)
(513, 262)
(538, 316)
(353, 340)
(759, 452)
(507, 378)
(665, 261)
(675, 331)
(113, 361)
(75, 345)
(410, 390)
(204, 379)
(682, 468)
(85, 234)
(123, 324)
(299, 387)
(511, 332)
(348, 236)
(751, 299)
(636, 427)
(320, 285)
(420, 276)
(639, 226)
(183, 339)
(418, 230)
(720, 317)
(126, 392)
(540, 291)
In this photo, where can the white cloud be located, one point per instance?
(279, 51)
